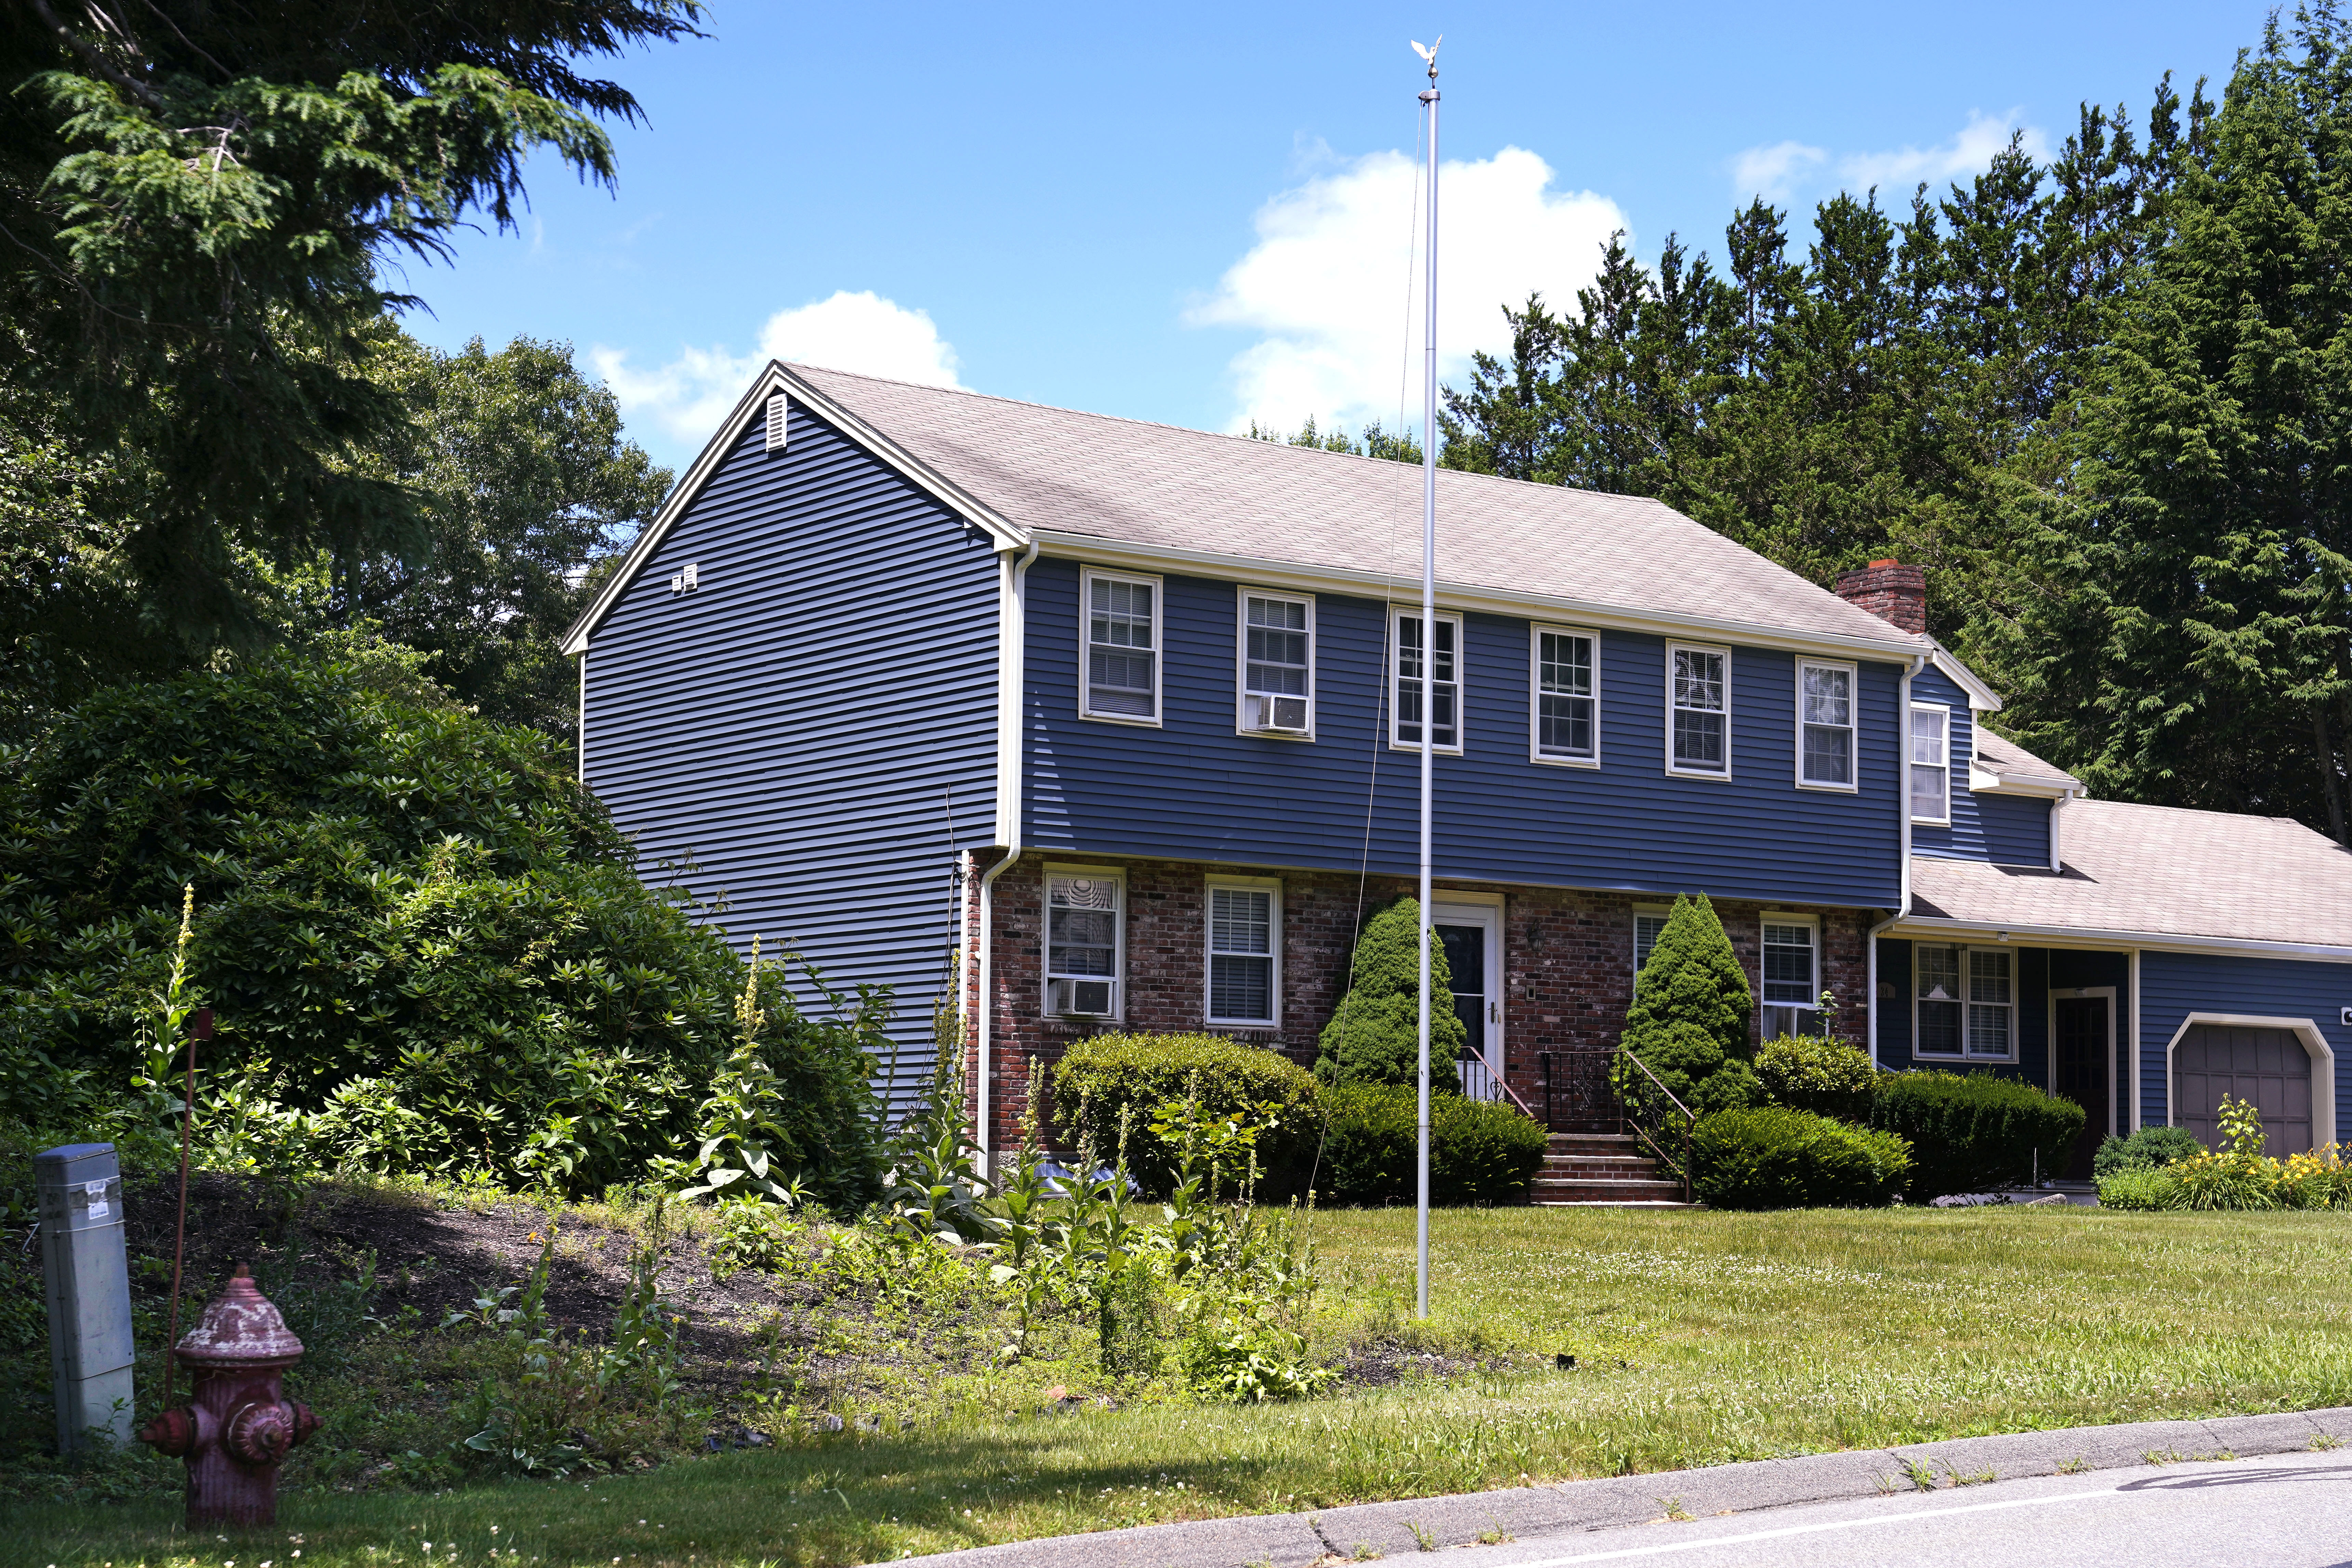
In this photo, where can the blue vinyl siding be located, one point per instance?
(2006, 829)
(2173, 985)
(803, 724)
(1195, 790)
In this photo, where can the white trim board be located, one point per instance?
(2314, 1046)
(1914, 927)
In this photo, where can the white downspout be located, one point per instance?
(1902, 793)
(1011, 651)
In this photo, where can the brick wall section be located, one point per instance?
(1889, 590)
(1567, 966)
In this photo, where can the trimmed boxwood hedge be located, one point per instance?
(1479, 1152)
(1772, 1157)
(1103, 1074)
(1975, 1133)
(1828, 1077)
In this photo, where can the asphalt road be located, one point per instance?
(2287, 1510)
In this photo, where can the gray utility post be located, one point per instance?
(85, 1266)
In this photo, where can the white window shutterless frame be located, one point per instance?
(1244, 978)
(1120, 621)
(1964, 1001)
(1273, 658)
(1791, 965)
(1825, 725)
(1698, 710)
(1564, 696)
(1405, 693)
(1649, 925)
(1929, 764)
(1086, 941)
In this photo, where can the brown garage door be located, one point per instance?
(2268, 1066)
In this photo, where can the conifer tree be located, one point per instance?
(1374, 1037)
(1689, 1020)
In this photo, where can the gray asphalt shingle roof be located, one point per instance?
(2000, 755)
(2161, 870)
(1127, 482)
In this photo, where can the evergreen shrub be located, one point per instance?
(1104, 1077)
(1974, 1132)
(1826, 1077)
(1374, 1035)
(1772, 1157)
(1479, 1152)
(1689, 1020)
(424, 944)
(2144, 1150)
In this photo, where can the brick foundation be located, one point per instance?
(1568, 967)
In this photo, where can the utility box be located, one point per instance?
(85, 1264)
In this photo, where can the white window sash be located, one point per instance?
(1116, 704)
(1234, 946)
(1244, 687)
(1832, 721)
(1559, 703)
(1398, 681)
(1938, 762)
(1703, 718)
(1100, 878)
(1972, 1008)
(1767, 945)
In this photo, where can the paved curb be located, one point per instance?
(1297, 1540)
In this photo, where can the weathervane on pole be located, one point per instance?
(1428, 681)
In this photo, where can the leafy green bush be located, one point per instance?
(2143, 1149)
(1105, 1077)
(1973, 1133)
(1374, 1037)
(2141, 1187)
(1775, 1158)
(1828, 1077)
(418, 933)
(1479, 1152)
(1688, 1023)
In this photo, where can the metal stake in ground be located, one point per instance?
(1428, 681)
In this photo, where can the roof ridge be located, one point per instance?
(1276, 443)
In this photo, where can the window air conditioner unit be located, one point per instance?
(1078, 998)
(1277, 715)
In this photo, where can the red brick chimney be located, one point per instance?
(1889, 590)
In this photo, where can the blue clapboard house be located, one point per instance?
(1068, 722)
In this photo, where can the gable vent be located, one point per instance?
(778, 406)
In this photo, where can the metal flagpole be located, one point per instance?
(1428, 673)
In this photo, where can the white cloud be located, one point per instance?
(1326, 285)
(687, 397)
(1785, 170)
(1772, 171)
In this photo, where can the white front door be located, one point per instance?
(1473, 935)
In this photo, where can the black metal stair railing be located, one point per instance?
(1617, 1087)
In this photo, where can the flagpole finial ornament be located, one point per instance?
(1430, 56)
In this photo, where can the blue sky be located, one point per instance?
(1199, 215)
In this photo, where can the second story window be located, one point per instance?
(1277, 665)
(1435, 678)
(1931, 764)
(1698, 703)
(1082, 944)
(1824, 725)
(1567, 702)
(1121, 675)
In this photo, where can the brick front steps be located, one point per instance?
(1602, 1168)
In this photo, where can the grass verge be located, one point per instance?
(1699, 1338)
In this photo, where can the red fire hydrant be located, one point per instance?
(239, 1422)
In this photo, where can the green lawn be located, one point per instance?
(1700, 1338)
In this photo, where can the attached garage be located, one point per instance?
(2267, 1066)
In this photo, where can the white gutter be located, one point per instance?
(1012, 650)
(1942, 928)
(1902, 793)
